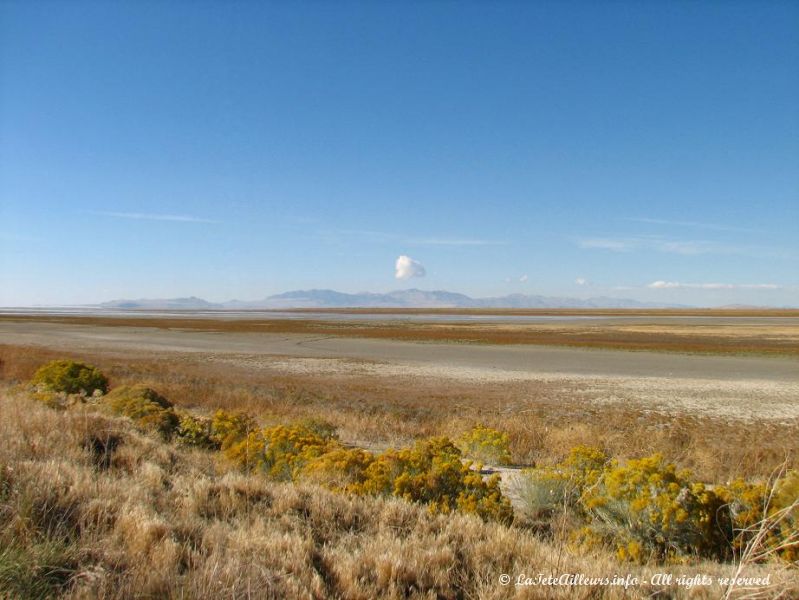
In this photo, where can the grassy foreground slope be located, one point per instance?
(91, 508)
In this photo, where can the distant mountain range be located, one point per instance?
(412, 298)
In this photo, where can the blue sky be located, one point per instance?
(236, 150)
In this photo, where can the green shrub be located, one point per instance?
(146, 407)
(70, 377)
(486, 445)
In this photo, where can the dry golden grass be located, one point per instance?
(544, 420)
(84, 517)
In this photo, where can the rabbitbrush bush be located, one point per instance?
(196, 431)
(647, 509)
(229, 428)
(432, 472)
(651, 510)
(548, 490)
(70, 377)
(146, 407)
(770, 511)
(487, 445)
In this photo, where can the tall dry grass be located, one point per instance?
(89, 508)
(543, 420)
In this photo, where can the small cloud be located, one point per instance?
(676, 285)
(153, 217)
(406, 267)
(523, 278)
(581, 281)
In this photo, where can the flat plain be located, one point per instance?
(717, 394)
(630, 379)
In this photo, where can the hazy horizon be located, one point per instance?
(631, 150)
(221, 301)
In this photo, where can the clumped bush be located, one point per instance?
(146, 407)
(340, 469)
(646, 509)
(765, 516)
(230, 428)
(432, 472)
(196, 431)
(70, 377)
(487, 445)
(281, 451)
(651, 510)
(560, 488)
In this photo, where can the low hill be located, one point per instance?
(410, 298)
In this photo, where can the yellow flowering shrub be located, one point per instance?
(340, 469)
(547, 490)
(487, 445)
(753, 507)
(246, 452)
(280, 451)
(652, 510)
(196, 431)
(229, 428)
(287, 449)
(432, 472)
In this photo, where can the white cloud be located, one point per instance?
(713, 226)
(658, 243)
(676, 285)
(154, 217)
(406, 267)
(581, 281)
(523, 278)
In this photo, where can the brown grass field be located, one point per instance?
(169, 522)
(544, 419)
(655, 332)
(152, 520)
(563, 312)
